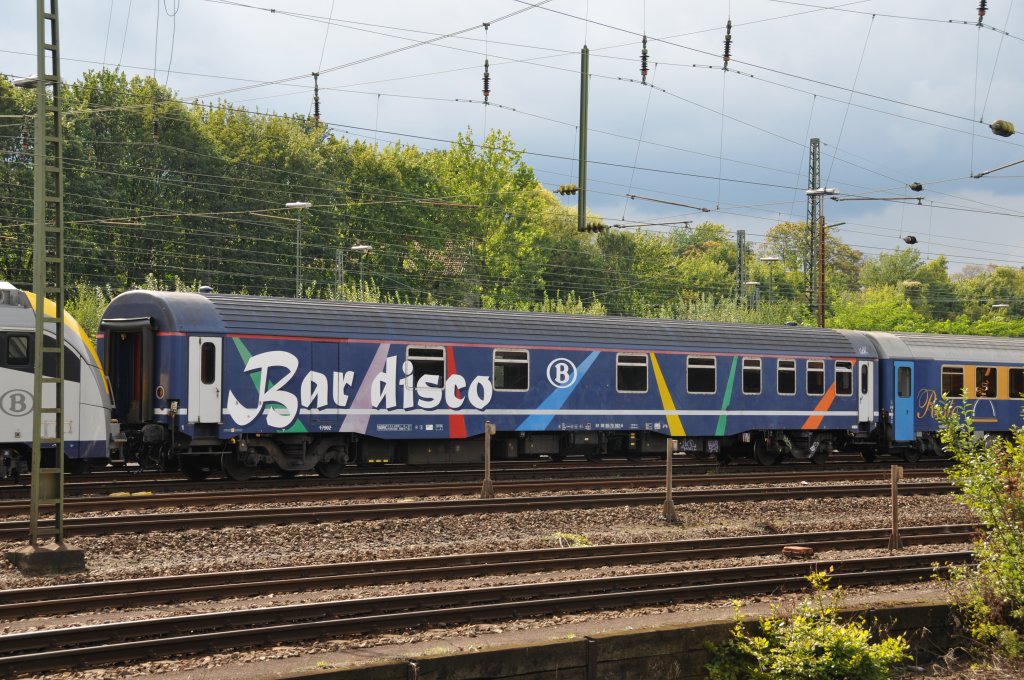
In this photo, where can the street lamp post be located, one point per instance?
(363, 250)
(753, 285)
(300, 206)
(770, 260)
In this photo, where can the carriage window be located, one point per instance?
(815, 377)
(700, 375)
(903, 381)
(751, 376)
(844, 378)
(787, 376)
(1017, 383)
(427, 361)
(986, 381)
(864, 378)
(953, 381)
(631, 372)
(511, 370)
(17, 350)
(208, 363)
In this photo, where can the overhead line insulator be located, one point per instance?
(316, 96)
(727, 55)
(643, 62)
(982, 7)
(568, 189)
(487, 80)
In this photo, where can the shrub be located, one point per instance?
(813, 643)
(989, 472)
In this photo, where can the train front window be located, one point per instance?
(953, 381)
(427, 361)
(786, 376)
(631, 372)
(986, 381)
(511, 370)
(844, 378)
(815, 377)
(18, 350)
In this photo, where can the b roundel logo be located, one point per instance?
(16, 402)
(562, 373)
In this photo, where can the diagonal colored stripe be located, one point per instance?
(675, 424)
(722, 419)
(244, 352)
(456, 423)
(814, 422)
(556, 399)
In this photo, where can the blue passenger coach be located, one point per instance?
(239, 382)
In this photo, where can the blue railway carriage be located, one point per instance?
(238, 382)
(917, 370)
(88, 430)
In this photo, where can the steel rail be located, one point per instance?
(124, 523)
(78, 597)
(10, 508)
(200, 633)
(704, 474)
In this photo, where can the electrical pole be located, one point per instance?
(741, 265)
(581, 209)
(48, 297)
(813, 213)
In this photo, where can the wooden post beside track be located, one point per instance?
(895, 475)
(487, 491)
(670, 507)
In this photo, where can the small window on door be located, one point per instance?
(786, 376)
(903, 382)
(631, 373)
(844, 378)
(751, 375)
(864, 377)
(426, 361)
(1017, 383)
(986, 382)
(953, 381)
(18, 350)
(208, 363)
(815, 377)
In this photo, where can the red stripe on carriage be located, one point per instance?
(456, 424)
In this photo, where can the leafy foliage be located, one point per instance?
(989, 472)
(813, 643)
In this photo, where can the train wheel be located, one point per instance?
(236, 469)
(193, 468)
(912, 454)
(286, 474)
(868, 456)
(763, 456)
(331, 470)
(821, 454)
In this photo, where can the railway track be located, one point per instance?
(51, 649)
(80, 597)
(142, 498)
(166, 521)
(107, 483)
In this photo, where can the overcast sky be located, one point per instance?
(895, 91)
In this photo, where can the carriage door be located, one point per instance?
(903, 409)
(866, 394)
(204, 376)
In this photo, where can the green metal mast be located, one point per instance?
(813, 215)
(48, 282)
(581, 208)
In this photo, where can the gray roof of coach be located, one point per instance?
(410, 323)
(958, 348)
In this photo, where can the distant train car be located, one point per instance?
(241, 383)
(88, 431)
(918, 369)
